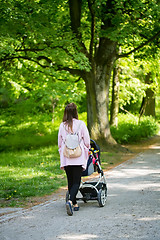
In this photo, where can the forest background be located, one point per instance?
(101, 54)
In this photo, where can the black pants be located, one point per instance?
(74, 174)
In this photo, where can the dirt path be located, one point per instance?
(132, 210)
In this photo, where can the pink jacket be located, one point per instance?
(85, 144)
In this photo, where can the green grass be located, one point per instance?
(31, 173)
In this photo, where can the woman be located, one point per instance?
(73, 166)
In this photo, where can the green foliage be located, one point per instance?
(129, 25)
(130, 131)
(133, 84)
(32, 93)
(39, 51)
(158, 109)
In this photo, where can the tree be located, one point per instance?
(139, 85)
(151, 78)
(84, 45)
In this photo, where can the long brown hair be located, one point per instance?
(70, 112)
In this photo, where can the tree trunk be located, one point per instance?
(150, 106)
(98, 79)
(97, 87)
(148, 102)
(115, 96)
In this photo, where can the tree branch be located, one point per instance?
(29, 50)
(46, 58)
(73, 71)
(75, 16)
(23, 57)
(90, 4)
(139, 47)
(50, 75)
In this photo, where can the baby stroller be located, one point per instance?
(96, 190)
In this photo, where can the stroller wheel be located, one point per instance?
(67, 196)
(102, 197)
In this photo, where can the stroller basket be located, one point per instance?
(92, 190)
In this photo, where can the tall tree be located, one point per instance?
(85, 45)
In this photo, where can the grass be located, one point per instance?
(31, 173)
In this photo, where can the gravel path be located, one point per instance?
(132, 210)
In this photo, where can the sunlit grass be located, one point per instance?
(29, 173)
(109, 158)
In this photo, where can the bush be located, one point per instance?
(129, 130)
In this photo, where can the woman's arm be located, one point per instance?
(85, 135)
(60, 137)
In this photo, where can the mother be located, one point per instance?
(73, 166)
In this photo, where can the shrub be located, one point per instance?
(129, 130)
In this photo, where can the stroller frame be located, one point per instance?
(94, 190)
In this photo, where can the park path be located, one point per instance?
(132, 210)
